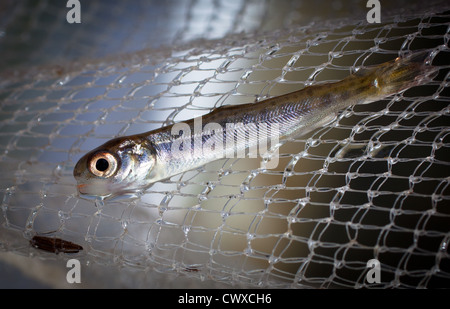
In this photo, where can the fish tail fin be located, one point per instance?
(405, 72)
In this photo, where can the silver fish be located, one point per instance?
(132, 163)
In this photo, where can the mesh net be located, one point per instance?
(374, 184)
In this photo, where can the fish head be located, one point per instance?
(121, 165)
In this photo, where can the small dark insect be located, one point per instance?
(191, 269)
(55, 245)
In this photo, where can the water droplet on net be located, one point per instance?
(248, 251)
(339, 264)
(197, 207)
(273, 259)
(349, 176)
(415, 179)
(436, 146)
(374, 146)
(244, 188)
(379, 40)
(420, 129)
(408, 115)
(268, 201)
(186, 230)
(206, 190)
(288, 173)
(410, 140)
(63, 81)
(313, 142)
(246, 75)
(311, 244)
(338, 54)
(165, 201)
(121, 79)
(224, 66)
(291, 219)
(444, 245)
(63, 215)
(358, 129)
(334, 206)
(273, 50)
(202, 198)
(99, 203)
(292, 61)
(372, 194)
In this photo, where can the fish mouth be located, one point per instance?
(106, 191)
(81, 186)
(103, 190)
(100, 190)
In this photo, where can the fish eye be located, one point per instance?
(103, 164)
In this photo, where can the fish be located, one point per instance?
(130, 164)
(54, 245)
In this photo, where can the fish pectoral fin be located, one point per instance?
(270, 158)
(326, 120)
(311, 127)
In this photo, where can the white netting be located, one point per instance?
(373, 184)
